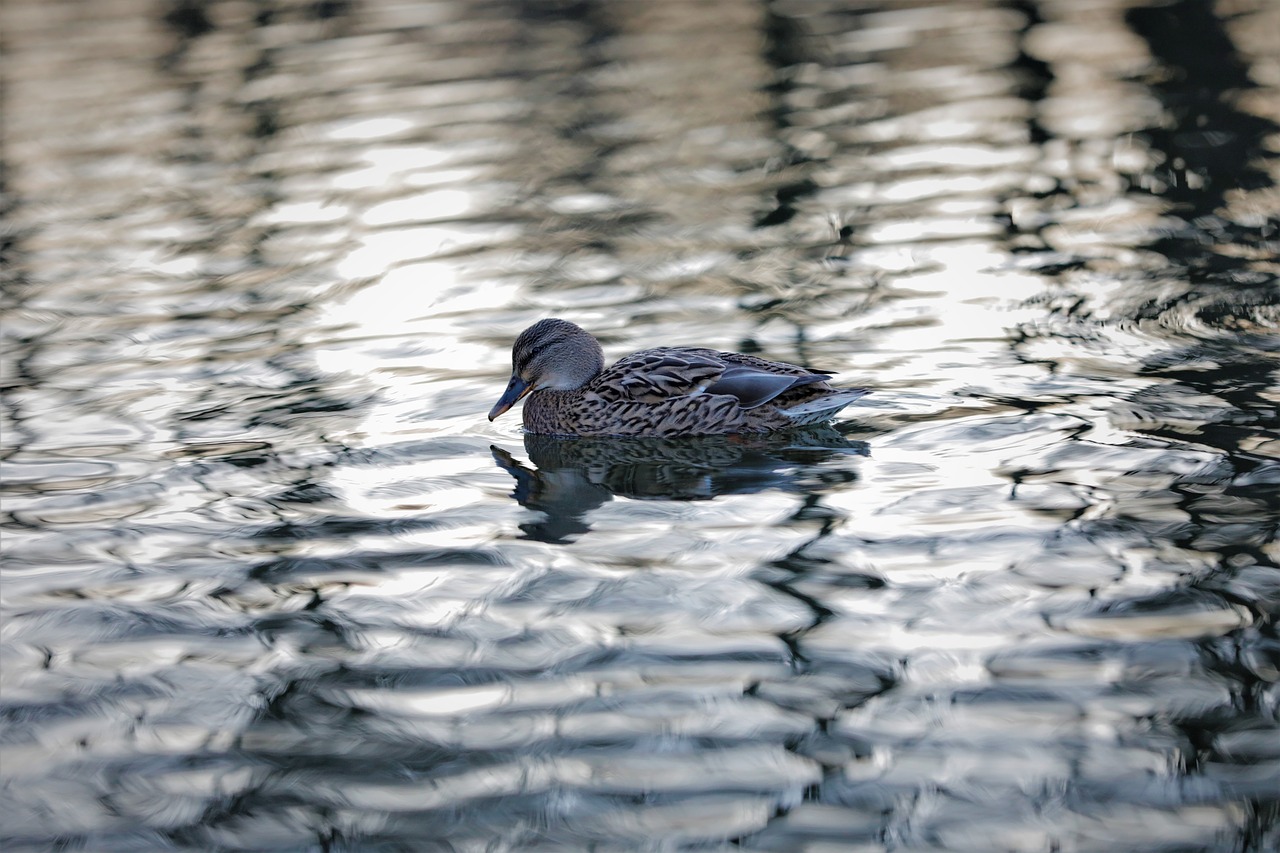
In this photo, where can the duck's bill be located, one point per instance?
(516, 389)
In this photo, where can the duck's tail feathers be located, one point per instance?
(822, 408)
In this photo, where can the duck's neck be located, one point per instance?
(550, 411)
(573, 377)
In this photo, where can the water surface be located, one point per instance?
(273, 582)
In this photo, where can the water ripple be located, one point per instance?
(273, 582)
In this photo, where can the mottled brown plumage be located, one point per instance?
(669, 391)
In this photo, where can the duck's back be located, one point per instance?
(671, 391)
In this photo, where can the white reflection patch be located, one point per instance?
(423, 207)
(371, 128)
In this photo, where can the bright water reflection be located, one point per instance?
(272, 581)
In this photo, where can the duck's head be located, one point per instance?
(550, 355)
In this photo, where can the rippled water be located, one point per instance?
(273, 582)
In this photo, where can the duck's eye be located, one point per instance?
(522, 365)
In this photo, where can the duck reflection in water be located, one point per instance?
(572, 476)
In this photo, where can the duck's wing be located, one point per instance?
(755, 387)
(659, 375)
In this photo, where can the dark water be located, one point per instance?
(273, 583)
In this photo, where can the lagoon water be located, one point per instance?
(272, 582)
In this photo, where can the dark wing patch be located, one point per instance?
(755, 387)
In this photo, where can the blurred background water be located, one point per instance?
(273, 583)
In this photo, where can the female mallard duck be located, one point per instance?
(667, 391)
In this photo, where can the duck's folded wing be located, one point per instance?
(754, 387)
(655, 376)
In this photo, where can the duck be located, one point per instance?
(558, 368)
